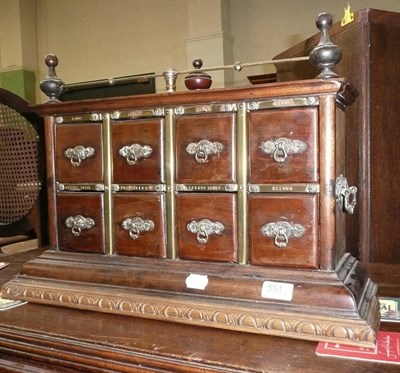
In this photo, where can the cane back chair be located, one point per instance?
(22, 200)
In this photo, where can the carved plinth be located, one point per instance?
(339, 306)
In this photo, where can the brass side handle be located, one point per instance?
(79, 153)
(204, 228)
(282, 147)
(79, 223)
(135, 226)
(134, 152)
(203, 149)
(282, 231)
(345, 195)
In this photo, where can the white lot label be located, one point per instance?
(194, 281)
(277, 290)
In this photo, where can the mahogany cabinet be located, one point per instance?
(371, 53)
(222, 208)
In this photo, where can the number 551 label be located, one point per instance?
(277, 290)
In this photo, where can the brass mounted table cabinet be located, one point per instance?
(222, 208)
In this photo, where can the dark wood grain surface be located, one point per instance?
(299, 124)
(88, 205)
(148, 207)
(216, 207)
(299, 252)
(147, 132)
(216, 168)
(90, 169)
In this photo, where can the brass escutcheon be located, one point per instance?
(345, 195)
(282, 231)
(281, 148)
(78, 153)
(133, 153)
(137, 225)
(204, 228)
(78, 223)
(203, 149)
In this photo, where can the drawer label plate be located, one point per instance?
(283, 188)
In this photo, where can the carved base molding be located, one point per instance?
(339, 306)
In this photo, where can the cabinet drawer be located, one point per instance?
(204, 148)
(79, 153)
(283, 145)
(207, 227)
(284, 230)
(139, 224)
(80, 222)
(137, 151)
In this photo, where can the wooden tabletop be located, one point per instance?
(41, 338)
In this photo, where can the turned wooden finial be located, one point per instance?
(52, 86)
(198, 79)
(326, 54)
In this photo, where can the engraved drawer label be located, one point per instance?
(277, 290)
(194, 281)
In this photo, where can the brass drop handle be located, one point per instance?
(78, 153)
(204, 228)
(137, 225)
(345, 195)
(282, 147)
(203, 149)
(133, 153)
(79, 223)
(282, 231)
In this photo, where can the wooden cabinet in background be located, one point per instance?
(371, 54)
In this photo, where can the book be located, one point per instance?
(3, 265)
(387, 349)
(390, 309)
(6, 304)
